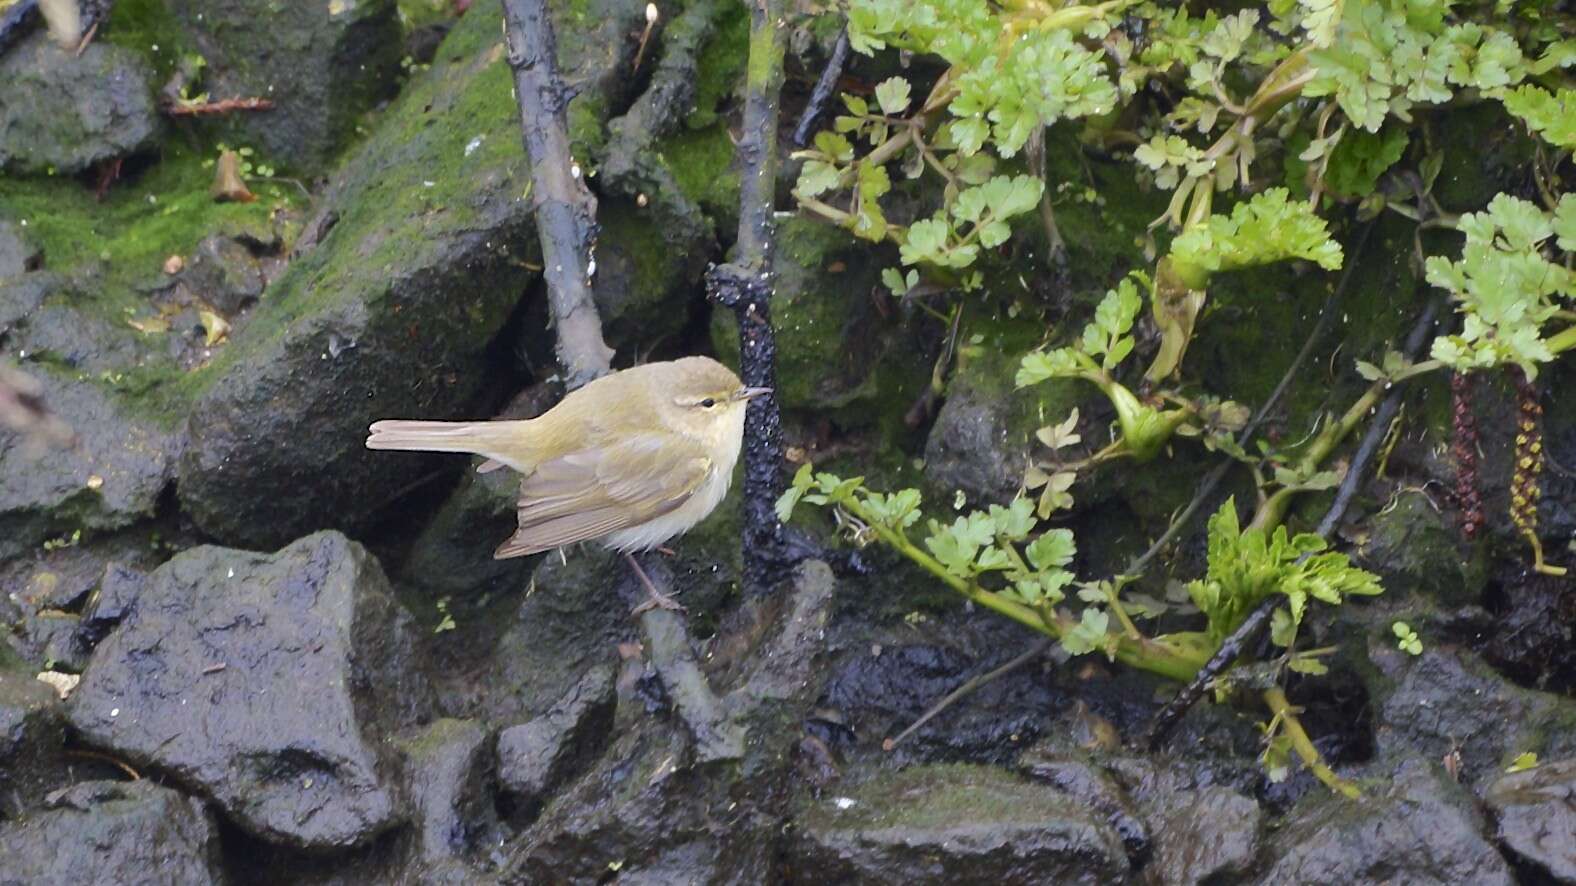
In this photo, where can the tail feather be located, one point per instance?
(499, 441)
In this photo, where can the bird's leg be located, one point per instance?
(657, 599)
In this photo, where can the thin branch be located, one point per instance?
(565, 209)
(744, 285)
(823, 89)
(212, 109)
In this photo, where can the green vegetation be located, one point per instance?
(1271, 130)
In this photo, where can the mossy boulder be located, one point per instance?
(322, 64)
(392, 314)
(64, 113)
(941, 824)
(983, 437)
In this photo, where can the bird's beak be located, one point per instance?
(751, 393)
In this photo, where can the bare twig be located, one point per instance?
(104, 758)
(565, 209)
(743, 284)
(1247, 633)
(223, 106)
(823, 90)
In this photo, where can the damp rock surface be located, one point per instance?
(262, 682)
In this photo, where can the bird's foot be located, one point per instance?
(658, 601)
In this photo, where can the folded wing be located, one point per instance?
(589, 493)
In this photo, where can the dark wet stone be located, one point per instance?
(1419, 828)
(879, 689)
(323, 65)
(1446, 701)
(1532, 634)
(1081, 779)
(536, 757)
(983, 436)
(110, 479)
(391, 314)
(264, 681)
(225, 274)
(32, 731)
(651, 803)
(568, 623)
(448, 770)
(113, 832)
(938, 824)
(1536, 814)
(1413, 547)
(67, 113)
(1200, 832)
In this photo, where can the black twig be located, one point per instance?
(1248, 632)
(823, 90)
(565, 209)
(744, 285)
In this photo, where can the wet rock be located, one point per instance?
(568, 623)
(1081, 779)
(984, 434)
(1446, 701)
(651, 803)
(32, 731)
(879, 688)
(66, 113)
(1532, 634)
(114, 832)
(1200, 832)
(17, 256)
(392, 313)
(1536, 814)
(1413, 547)
(1422, 828)
(224, 274)
(449, 773)
(935, 824)
(264, 681)
(647, 275)
(536, 757)
(110, 479)
(323, 65)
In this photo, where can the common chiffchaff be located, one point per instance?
(633, 458)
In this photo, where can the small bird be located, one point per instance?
(633, 458)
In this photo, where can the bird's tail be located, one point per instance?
(500, 441)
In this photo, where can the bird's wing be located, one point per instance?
(591, 492)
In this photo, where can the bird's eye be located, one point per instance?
(708, 403)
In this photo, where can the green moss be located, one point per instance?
(701, 161)
(112, 252)
(149, 28)
(721, 65)
(766, 55)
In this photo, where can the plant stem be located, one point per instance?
(1280, 707)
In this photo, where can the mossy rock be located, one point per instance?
(952, 823)
(63, 113)
(393, 312)
(983, 437)
(322, 64)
